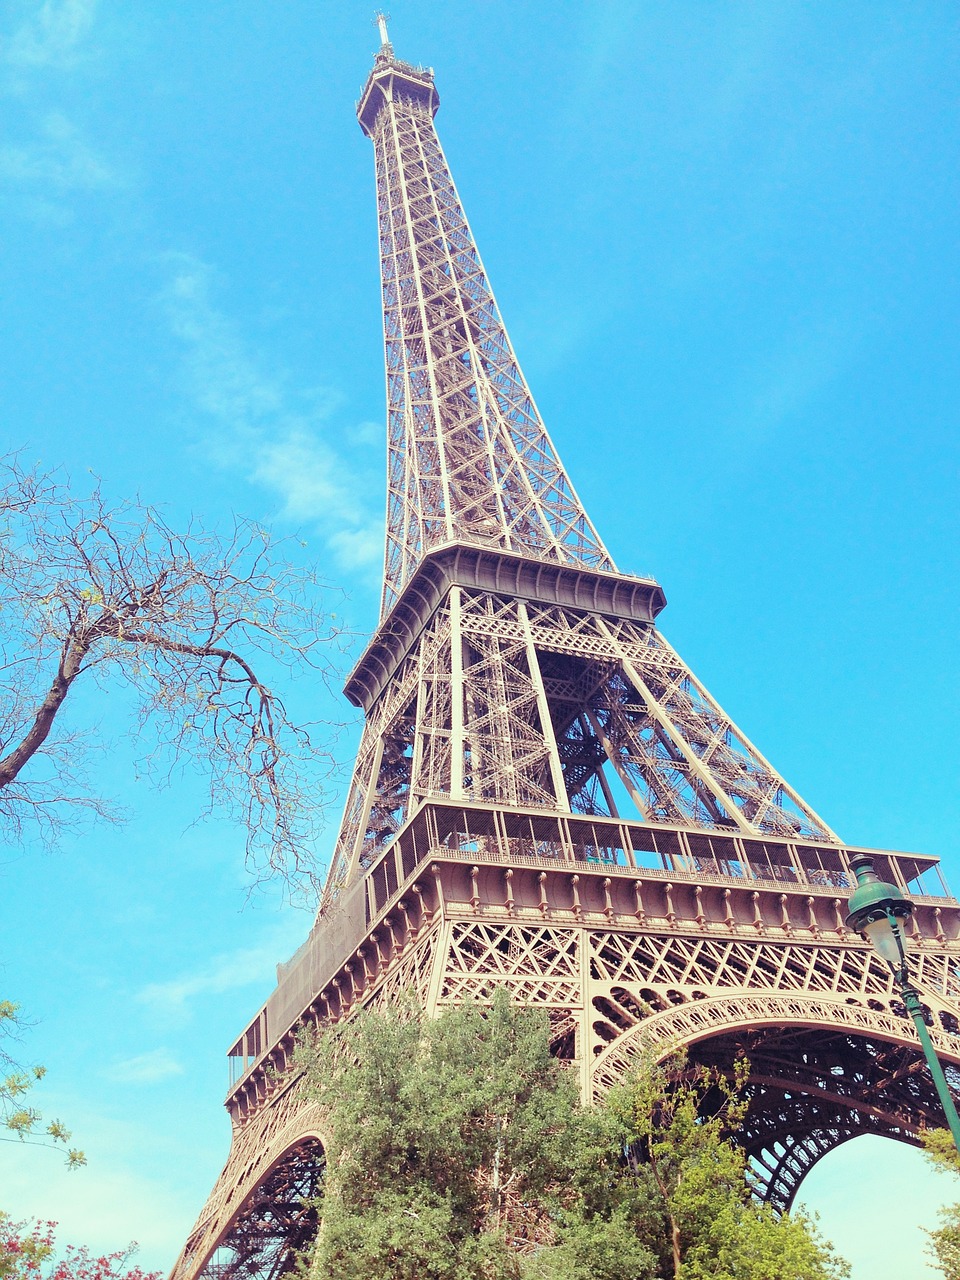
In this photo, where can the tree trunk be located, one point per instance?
(37, 734)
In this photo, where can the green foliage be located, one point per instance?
(701, 1218)
(692, 1171)
(593, 1247)
(944, 1246)
(941, 1150)
(22, 1122)
(457, 1147)
(458, 1150)
(750, 1242)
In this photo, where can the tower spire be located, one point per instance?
(381, 20)
(469, 458)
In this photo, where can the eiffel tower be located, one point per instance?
(545, 796)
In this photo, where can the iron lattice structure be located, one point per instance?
(469, 459)
(545, 797)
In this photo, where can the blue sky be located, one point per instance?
(723, 236)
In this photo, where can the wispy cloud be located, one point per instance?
(146, 1068)
(277, 435)
(223, 375)
(59, 159)
(54, 35)
(52, 160)
(358, 548)
(230, 971)
(258, 423)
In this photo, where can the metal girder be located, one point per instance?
(468, 712)
(277, 1222)
(528, 704)
(468, 454)
(831, 1050)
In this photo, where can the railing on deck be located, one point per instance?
(494, 833)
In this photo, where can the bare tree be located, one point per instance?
(189, 623)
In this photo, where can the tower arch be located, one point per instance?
(262, 1211)
(822, 1071)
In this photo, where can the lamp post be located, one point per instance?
(878, 911)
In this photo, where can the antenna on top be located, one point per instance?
(380, 21)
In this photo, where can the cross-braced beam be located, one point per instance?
(525, 703)
(468, 455)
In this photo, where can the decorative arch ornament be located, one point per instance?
(259, 1214)
(823, 1071)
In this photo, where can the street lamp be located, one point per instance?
(879, 911)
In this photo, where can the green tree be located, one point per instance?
(22, 1122)
(678, 1121)
(944, 1246)
(458, 1150)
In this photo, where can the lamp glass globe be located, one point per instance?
(886, 939)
